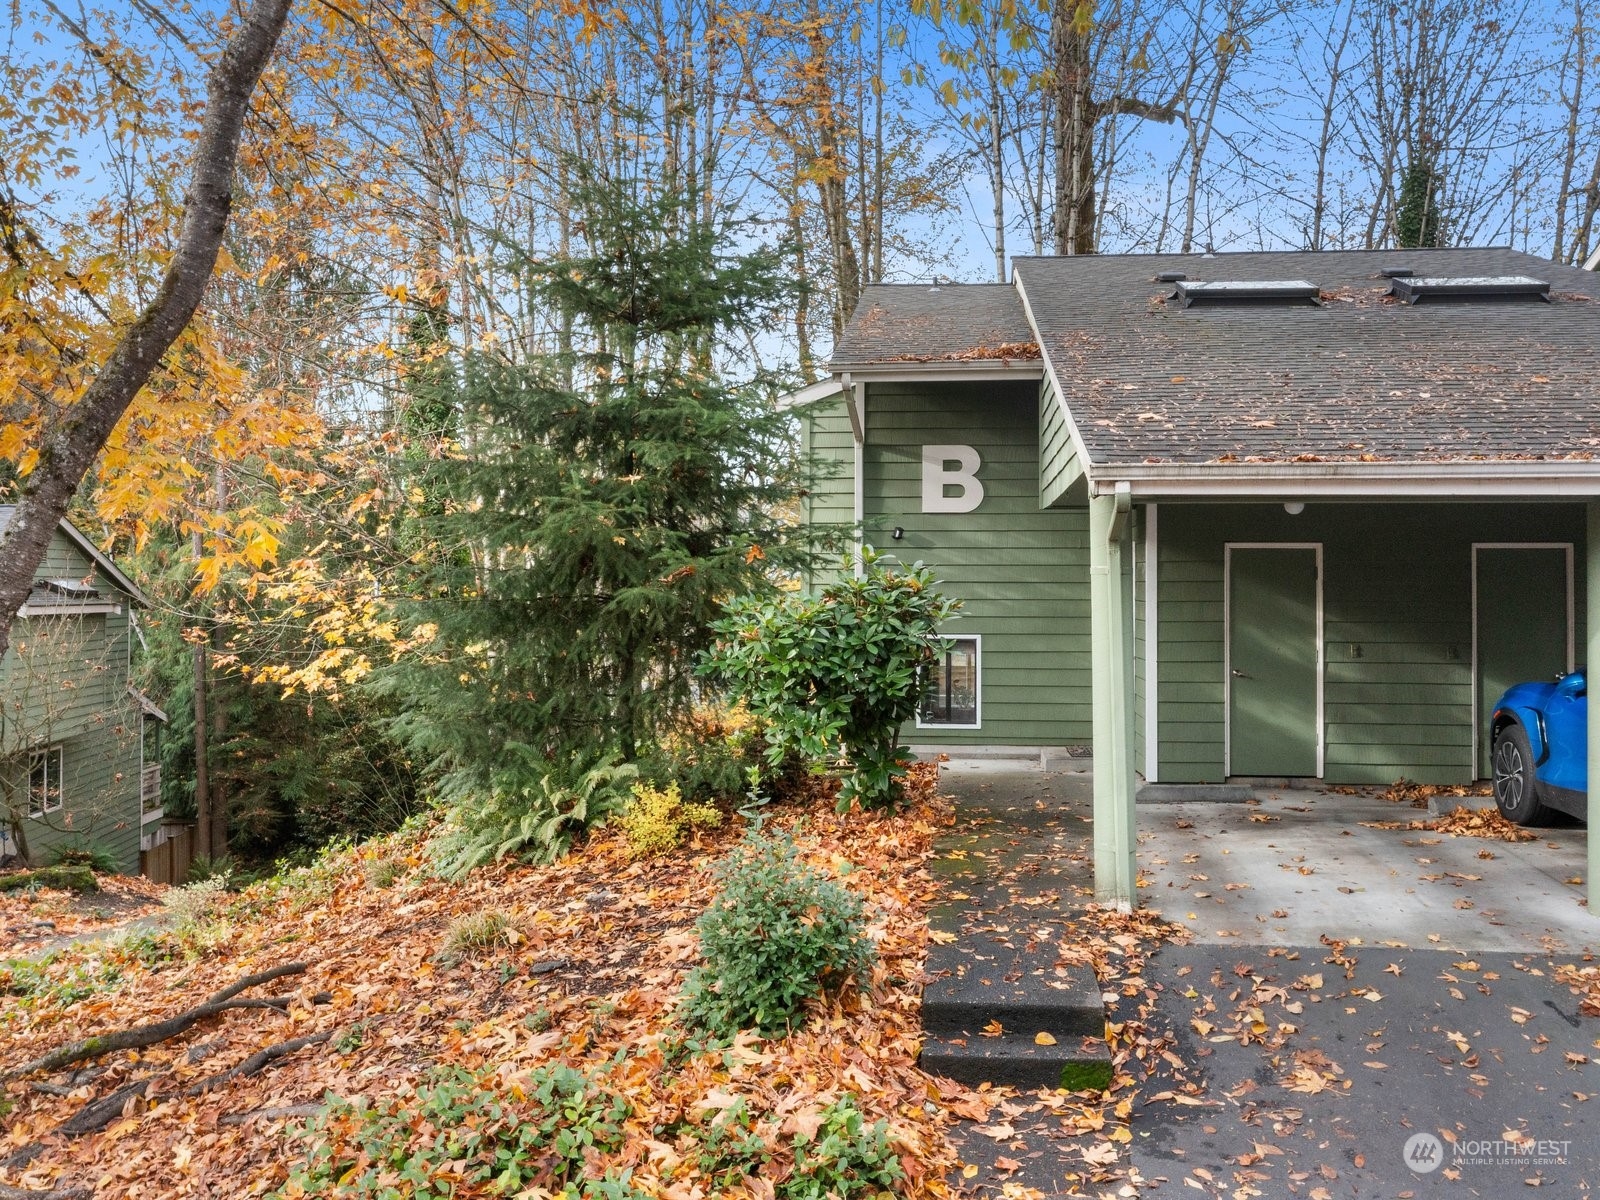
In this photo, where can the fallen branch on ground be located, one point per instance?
(97, 1114)
(270, 1114)
(7, 1192)
(148, 1035)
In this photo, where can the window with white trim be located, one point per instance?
(44, 781)
(951, 696)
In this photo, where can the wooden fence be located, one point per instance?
(169, 862)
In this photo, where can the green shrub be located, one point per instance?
(465, 1128)
(203, 867)
(535, 821)
(837, 675)
(778, 934)
(846, 1157)
(656, 820)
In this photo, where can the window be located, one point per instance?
(44, 781)
(951, 698)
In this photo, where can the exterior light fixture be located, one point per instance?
(897, 533)
(1294, 507)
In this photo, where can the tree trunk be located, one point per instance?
(1076, 117)
(72, 443)
(202, 774)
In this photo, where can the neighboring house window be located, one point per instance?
(44, 781)
(951, 697)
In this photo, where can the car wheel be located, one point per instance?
(1516, 793)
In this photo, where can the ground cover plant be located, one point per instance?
(359, 1019)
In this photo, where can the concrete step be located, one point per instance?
(1016, 1060)
(984, 979)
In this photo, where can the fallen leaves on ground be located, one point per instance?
(29, 919)
(603, 946)
(1465, 822)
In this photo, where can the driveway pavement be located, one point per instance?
(1359, 1011)
(1300, 864)
(1365, 1010)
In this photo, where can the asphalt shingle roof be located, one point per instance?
(928, 323)
(1363, 377)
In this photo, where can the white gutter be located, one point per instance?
(1441, 480)
(810, 394)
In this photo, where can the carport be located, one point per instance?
(1337, 502)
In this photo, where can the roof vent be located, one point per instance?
(1171, 277)
(1467, 287)
(1396, 272)
(1248, 291)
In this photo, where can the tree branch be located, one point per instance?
(148, 1035)
(72, 443)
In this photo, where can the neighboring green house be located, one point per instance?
(77, 762)
(1237, 516)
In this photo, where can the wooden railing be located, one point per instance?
(150, 788)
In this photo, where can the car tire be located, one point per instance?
(1516, 790)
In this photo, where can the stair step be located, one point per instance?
(1015, 1060)
(973, 982)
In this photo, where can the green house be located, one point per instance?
(1295, 516)
(78, 768)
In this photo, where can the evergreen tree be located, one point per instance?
(600, 506)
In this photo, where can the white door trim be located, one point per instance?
(1152, 614)
(1571, 622)
(1227, 647)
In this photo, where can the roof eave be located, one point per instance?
(1283, 480)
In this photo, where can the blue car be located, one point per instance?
(1539, 744)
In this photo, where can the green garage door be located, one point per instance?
(1273, 639)
(1521, 610)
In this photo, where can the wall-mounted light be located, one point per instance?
(897, 533)
(1294, 507)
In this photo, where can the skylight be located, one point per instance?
(1467, 287)
(74, 588)
(1247, 291)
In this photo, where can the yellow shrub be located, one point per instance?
(656, 819)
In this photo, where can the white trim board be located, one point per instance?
(1572, 621)
(1227, 650)
(1152, 629)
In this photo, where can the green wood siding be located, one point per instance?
(1397, 628)
(1059, 466)
(64, 681)
(829, 450)
(1021, 571)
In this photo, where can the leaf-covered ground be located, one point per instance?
(597, 952)
(30, 919)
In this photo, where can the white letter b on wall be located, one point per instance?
(950, 467)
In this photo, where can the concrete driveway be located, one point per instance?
(1305, 863)
(1365, 1011)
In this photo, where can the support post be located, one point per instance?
(1111, 642)
(1591, 666)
